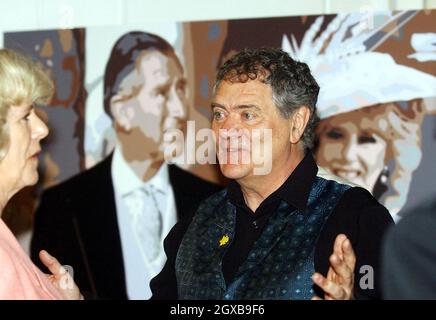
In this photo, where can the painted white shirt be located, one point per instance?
(146, 212)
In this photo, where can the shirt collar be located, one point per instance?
(125, 180)
(295, 190)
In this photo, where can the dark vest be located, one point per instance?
(281, 262)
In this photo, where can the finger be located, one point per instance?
(316, 298)
(330, 288)
(337, 246)
(51, 263)
(349, 255)
(331, 274)
(342, 270)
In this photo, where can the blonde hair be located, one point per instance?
(21, 81)
(404, 136)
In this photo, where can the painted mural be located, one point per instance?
(377, 104)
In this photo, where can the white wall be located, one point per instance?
(19, 15)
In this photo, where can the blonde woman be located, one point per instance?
(22, 85)
(377, 147)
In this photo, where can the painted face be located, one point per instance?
(238, 109)
(19, 166)
(350, 147)
(157, 106)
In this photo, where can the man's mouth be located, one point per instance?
(235, 149)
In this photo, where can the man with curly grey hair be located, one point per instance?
(290, 233)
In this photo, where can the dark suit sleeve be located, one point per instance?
(164, 285)
(409, 264)
(364, 221)
(54, 232)
(45, 231)
(374, 221)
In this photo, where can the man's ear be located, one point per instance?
(122, 112)
(299, 120)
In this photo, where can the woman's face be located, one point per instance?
(350, 149)
(18, 168)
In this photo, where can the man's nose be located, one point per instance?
(231, 128)
(177, 106)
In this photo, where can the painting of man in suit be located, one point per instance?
(109, 222)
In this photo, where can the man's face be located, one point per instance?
(238, 109)
(158, 105)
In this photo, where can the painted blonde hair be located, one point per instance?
(21, 81)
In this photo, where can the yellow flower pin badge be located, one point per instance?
(224, 239)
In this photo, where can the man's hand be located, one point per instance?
(60, 278)
(339, 283)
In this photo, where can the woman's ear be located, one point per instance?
(299, 120)
(122, 112)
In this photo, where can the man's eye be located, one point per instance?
(218, 115)
(248, 116)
